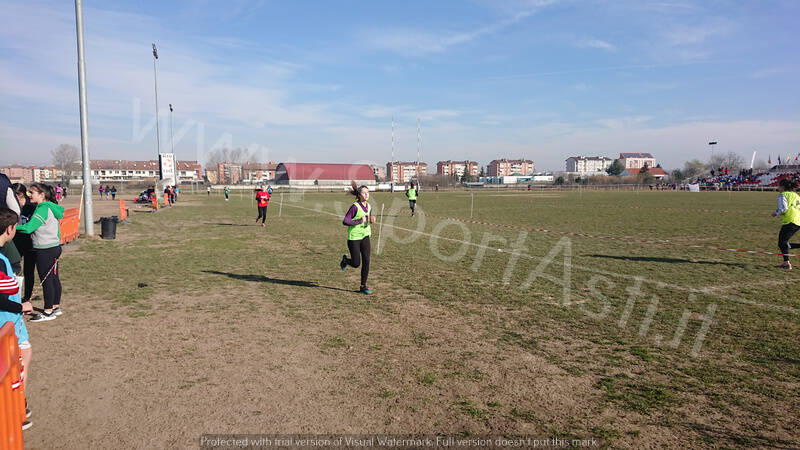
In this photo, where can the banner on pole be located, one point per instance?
(166, 166)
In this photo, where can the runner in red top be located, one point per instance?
(262, 197)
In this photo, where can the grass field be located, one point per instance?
(197, 321)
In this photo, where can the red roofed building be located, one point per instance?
(321, 174)
(656, 172)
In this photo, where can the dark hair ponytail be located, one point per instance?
(355, 188)
(19, 189)
(48, 191)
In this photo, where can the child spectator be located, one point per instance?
(11, 305)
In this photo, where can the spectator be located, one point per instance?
(113, 192)
(9, 200)
(43, 228)
(108, 192)
(11, 305)
(101, 191)
(23, 241)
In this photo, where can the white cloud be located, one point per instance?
(596, 43)
(418, 42)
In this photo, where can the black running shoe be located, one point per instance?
(343, 264)
(27, 424)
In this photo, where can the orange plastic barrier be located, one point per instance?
(12, 393)
(155, 202)
(123, 211)
(166, 199)
(69, 226)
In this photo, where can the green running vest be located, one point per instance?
(362, 230)
(412, 194)
(792, 214)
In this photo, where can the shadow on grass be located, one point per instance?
(664, 260)
(228, 224)
(265, 279)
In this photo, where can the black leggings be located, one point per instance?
(28, 266)
(359, 250)
(262, 214)
(787, 231)
(412, 204)
(47, 266)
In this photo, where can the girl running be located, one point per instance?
(789, 210)
(411, 193)
(358, 220)
(43, 228)
(262, 197)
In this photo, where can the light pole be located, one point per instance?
(88, 214)
(712, 144)
(155, 82)
(158, 131)
(172, 148)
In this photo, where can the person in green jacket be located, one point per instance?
(43, 227)
(789, 210)
(358, 220)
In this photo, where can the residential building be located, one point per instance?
(255, 173)
(379, 172)
(404, 172)
(18, 174)
(457, 168)
(505, 167)
(121, 170)
(588, 165)
(637, 160)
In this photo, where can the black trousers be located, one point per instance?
(262, 214)
(28, 266)
(787, 231)
(412, 204)
(46, 265)
(359, 256)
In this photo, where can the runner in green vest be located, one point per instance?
(789, 210)
(411, 193)
(358, 220)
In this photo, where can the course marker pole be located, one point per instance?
(280, 208)
(380, 227)
(471, 203)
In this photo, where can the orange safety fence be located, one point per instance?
(123, 211)
(12, 392)
(69, 226)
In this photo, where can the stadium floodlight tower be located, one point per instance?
(712, 144)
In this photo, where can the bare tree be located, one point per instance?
(694, 168)
(730, 160)
(237, 155)
(66, 159)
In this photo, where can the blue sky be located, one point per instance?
(320, 80)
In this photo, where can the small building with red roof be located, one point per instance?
(657, 172)
(323, 174)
